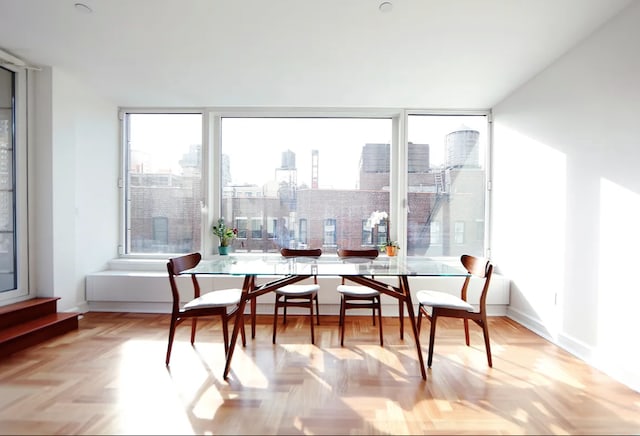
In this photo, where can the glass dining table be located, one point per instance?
(279, 271)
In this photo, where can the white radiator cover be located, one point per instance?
(144, 287)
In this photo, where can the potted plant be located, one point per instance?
(391, 247)
(225, 234)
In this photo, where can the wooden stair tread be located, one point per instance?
(26, 304)
(34, 325)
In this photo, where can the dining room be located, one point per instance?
(537, 172)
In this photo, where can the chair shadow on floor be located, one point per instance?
(299, 388)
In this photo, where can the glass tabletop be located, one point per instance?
(275, 264)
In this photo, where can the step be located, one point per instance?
(17, 313)
(34, 331)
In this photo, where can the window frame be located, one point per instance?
(124, 165)
(22, 175)
(212, 160)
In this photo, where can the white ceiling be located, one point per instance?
(300, 53)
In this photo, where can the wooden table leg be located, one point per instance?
(247, 287)
(404, 286)
(254, 308)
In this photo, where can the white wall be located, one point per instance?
(74, 183)
(566, 198)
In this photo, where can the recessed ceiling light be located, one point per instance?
(81, 7)
(385, 6)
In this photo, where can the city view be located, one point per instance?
(315, 192)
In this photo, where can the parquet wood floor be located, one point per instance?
(109, 377)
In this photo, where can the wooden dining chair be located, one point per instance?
(435, 304)
(223, 303)
(358, 296)
(298, 295)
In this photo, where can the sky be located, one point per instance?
(255, 145)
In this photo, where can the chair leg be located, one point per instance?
(344, 323)
(401, 316)
(225, 333)
(379, 307)
(194, 326)
(432, 336)
(284, 310)
(419, 322)
(313, 339)
(242, 332)
(317, 309)
(373, 310)
(253, 305)
(172, 331)
(275, 318)
(466, 331)
(487, 345)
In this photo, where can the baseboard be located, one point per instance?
(612, 367)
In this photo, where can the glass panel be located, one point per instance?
(367, 234)
(459, 232)
(330, 232)
(161, 230)
(164, 179)
(330, 172)
(446, 165)
(303, 231)
(241, 225)
(8, 278)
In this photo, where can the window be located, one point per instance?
(8, 237)
(446, 183)
(241, 225)
(272, 225)
(163, 178)
(161, 230)
(329, 238)
(382, 233)
(14, 264)
(256, 228)
(367, 234)
(304, 170)
(298, 179)
(302, 232)
(435, 234)
(459, 232)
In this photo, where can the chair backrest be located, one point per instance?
(301, 252)
(369, 253)
(176, 266)
(479, 267)
(359, 255)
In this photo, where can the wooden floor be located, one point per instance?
(109, 377)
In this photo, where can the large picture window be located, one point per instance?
(314, 180)
(307, 181)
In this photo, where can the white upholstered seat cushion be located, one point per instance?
(221, 298)
(442, 299)
(298, 290)
(357, 291)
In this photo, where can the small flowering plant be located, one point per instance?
(224, 233)
(376, 218)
